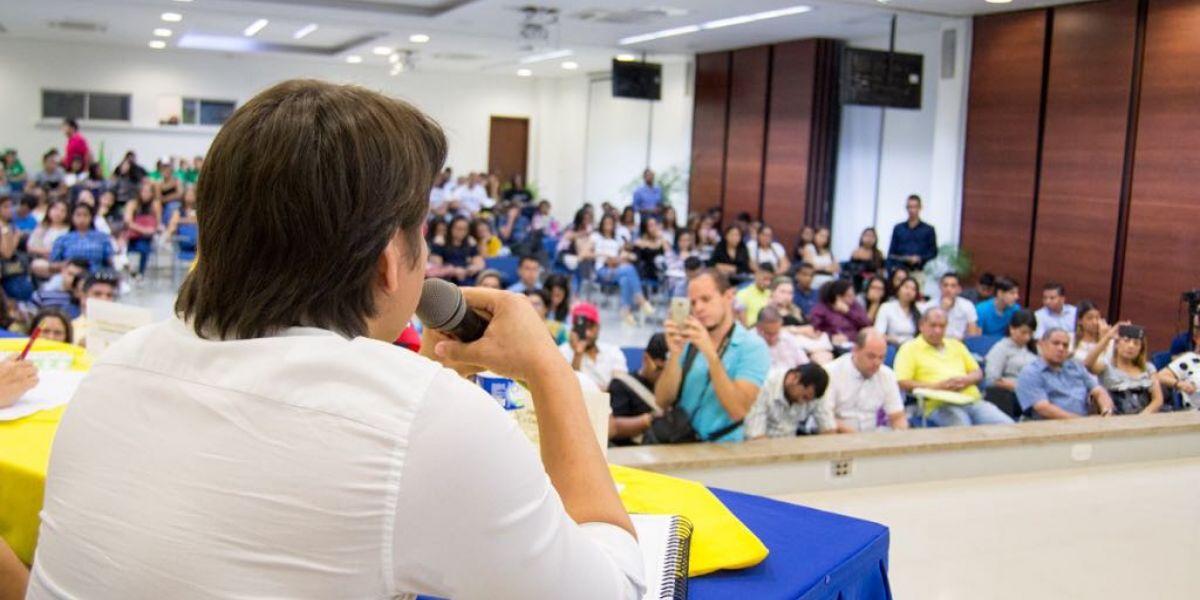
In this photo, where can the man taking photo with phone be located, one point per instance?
(587, 355)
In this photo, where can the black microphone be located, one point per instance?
(442, 307)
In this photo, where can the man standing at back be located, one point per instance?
(647, 199)
(914, 242)
(716, 367)
(1055, 313)
(77, 146)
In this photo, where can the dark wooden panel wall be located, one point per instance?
(1083, 148)
(749, 82)
(1164, 213)
(764, 133)
(1088, 175)
(709, 116)
(1000, 165)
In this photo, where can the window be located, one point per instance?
(59, 104)
(202, 111)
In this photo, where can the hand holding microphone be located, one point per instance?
(508, 338)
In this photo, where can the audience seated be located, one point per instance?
(720, 366)
(1187, 341)
(791, 403)
(677, 262)
(627, 226)
(1182, 375)
(785, 349)
(13, 170)
(82, 242)
(670, 225)
(815, 343)
(512, 227)
(55, 325)
(1055, 312)
(1007, 358)
(540, 299)
(631, 396)
(764, 249)
(458, 259)
(995, 313)
(730, 256)
(1128, 378)
(962, 320)
(820, 256)
(1090, 327)
(528, 272)
(756, 296)
(861, 387)
(559, 288)
(489, 278)
(488, 243)
(806, 294)
(101, 285)
(143, 218)
(52, 178)
(839, 314)
(1055, 387)
(933, 361)
(897, 318)
(874, 295)
(615, 265)
(25, 221)
(53, 226)
(586, 353)
(914, 242)
(651, 249)
(58, 292)
(985, 288)
(866, 260)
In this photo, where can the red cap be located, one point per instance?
(586, 310)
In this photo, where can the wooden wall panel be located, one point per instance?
(748, 89)
(789, 127)
(1000, 163)
(1161, 248)
(1083, 148)
(708, 131)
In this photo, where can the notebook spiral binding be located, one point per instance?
(675, 580)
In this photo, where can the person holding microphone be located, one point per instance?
(271, 441)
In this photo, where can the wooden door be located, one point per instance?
(508, 147)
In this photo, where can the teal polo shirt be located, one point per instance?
(746, 359)
(991, 323)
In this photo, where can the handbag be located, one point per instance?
(674, 426)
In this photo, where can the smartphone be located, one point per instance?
(1132, 332)
(681, 309)
(580, 326)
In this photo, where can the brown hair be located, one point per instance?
(303, 189)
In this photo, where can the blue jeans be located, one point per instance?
(627, 279)
(980, 412)
(144, 247)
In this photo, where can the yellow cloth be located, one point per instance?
(916, 360)
(24, 456)
(754, 300)
(719, 539)
(492, 247)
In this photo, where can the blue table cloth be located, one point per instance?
(814, 554)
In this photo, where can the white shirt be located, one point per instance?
(472, 198)
(1064, 320)
(855, 399)
(609, 360)
(893, 322)
(606, 247)
(304, 466)
(767, 255)
(958, 318)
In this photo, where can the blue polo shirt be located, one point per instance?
(746, 359)
(805, 300)
(1066, 387)
(647, 198)
(991, 323)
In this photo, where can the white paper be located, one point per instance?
(108, 321)
(54, 388)
(654, 532)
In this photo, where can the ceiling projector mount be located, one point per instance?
(538, 25)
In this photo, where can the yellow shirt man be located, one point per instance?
(917, 360)
(754, 299)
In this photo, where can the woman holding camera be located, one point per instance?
(1129, 377)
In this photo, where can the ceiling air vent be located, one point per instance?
(78, 26)
(457, 56)
(630, 16)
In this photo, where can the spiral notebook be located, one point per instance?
(666, 542)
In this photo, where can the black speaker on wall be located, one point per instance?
(640, 80)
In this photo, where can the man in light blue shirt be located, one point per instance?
(1056, 387)
(728, 364)
(648, 198)
(1055, 313)
(994, 314)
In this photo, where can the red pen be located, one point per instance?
(32, 338)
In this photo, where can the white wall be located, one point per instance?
(462, 102)
(886, 154)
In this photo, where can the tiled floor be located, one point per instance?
(1128, 532)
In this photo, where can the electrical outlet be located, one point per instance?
(840, 469)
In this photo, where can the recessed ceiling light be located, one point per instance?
(183, 0)
(418, 38)
(394, 58)
(162, 32)
(254, 28)
(172, 17)
(715, 24)
(998, 1)
(626, 57)
(158, 44)
(397, 68)
(354, 59)
(570, 65)
(304, 31)
(382, 50)
(524, 72)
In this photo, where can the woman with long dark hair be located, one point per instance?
(730, 256)
(1008, 356)
(615, 265)
(866, 259)
(459, 255)
(764, 249)
(559, 288)
(83, 242)
(897, 318)
(143, 216)
(820, 256)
